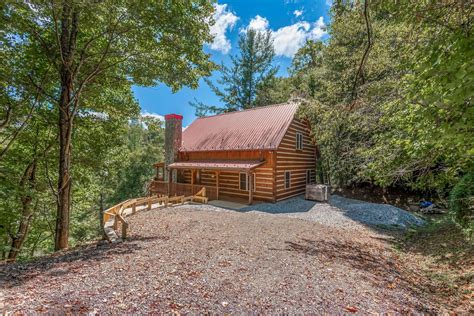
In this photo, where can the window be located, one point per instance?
(309, 176)
(299, 141)
(287, 179)
(244, 181)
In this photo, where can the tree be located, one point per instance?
(308, 57)
(144, 146)
(92, 52)
(22, 183)
(240, 82)
(112, 162)
(274, 91)
(306, 67)
(390, 103)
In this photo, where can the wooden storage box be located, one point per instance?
(318, 192)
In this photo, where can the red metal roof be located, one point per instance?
(258, 128)
(217, 165)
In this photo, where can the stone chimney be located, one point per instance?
(173, 138)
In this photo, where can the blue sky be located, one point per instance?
(292, 22)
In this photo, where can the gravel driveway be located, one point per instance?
(340, 212)
(188, 259)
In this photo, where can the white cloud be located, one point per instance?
(329, 3)
(224, 20)
(154, 115)
(297, 13)
(288, 39)
(319, 29)
(94, 114)
(258, 23)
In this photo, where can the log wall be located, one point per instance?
(270, 176)
(229, 181)
(288, 158)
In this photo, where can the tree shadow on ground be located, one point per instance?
(443, 241)
(14, 274)
(378, 267)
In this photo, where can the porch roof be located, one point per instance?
(235, 165)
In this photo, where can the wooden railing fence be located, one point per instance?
(116, 214)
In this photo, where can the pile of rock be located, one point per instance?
(426, 207)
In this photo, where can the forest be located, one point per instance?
(388, 96)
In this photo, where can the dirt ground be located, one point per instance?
(187, 260)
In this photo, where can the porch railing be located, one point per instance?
(186, 189)
(158, 187)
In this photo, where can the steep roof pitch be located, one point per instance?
(259, 128)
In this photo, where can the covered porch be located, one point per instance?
(176, 185)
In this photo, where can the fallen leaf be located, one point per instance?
(351, 309)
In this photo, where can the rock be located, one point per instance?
(433, 209)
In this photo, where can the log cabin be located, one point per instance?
(262, 154)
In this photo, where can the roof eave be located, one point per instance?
(228, 149)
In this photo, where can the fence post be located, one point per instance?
(124, 230)
(115, 222)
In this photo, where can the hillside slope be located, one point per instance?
(189, 260)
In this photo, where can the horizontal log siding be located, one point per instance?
(229, 181)
(295, 161)
(207, 177)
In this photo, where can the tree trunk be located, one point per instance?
(68, 43)
(27, 183)
(101, 216)
(64, 178)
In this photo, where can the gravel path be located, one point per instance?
(193, 260)
(340, 212)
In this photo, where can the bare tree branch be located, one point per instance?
(364, 56)
(25, 121)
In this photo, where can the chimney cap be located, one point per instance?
(173, 116)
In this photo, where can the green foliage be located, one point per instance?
(250, 72)
(430, 123)
(274, 91)
(111, 45)
(145, 142)
(407, 120)
(461, 202)
(324, 74)
(113, 162)
(411, 121)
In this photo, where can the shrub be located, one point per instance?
(461, 201)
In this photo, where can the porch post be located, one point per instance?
(170, 178)
(192, 181)
(217, 185)
(250, 188)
